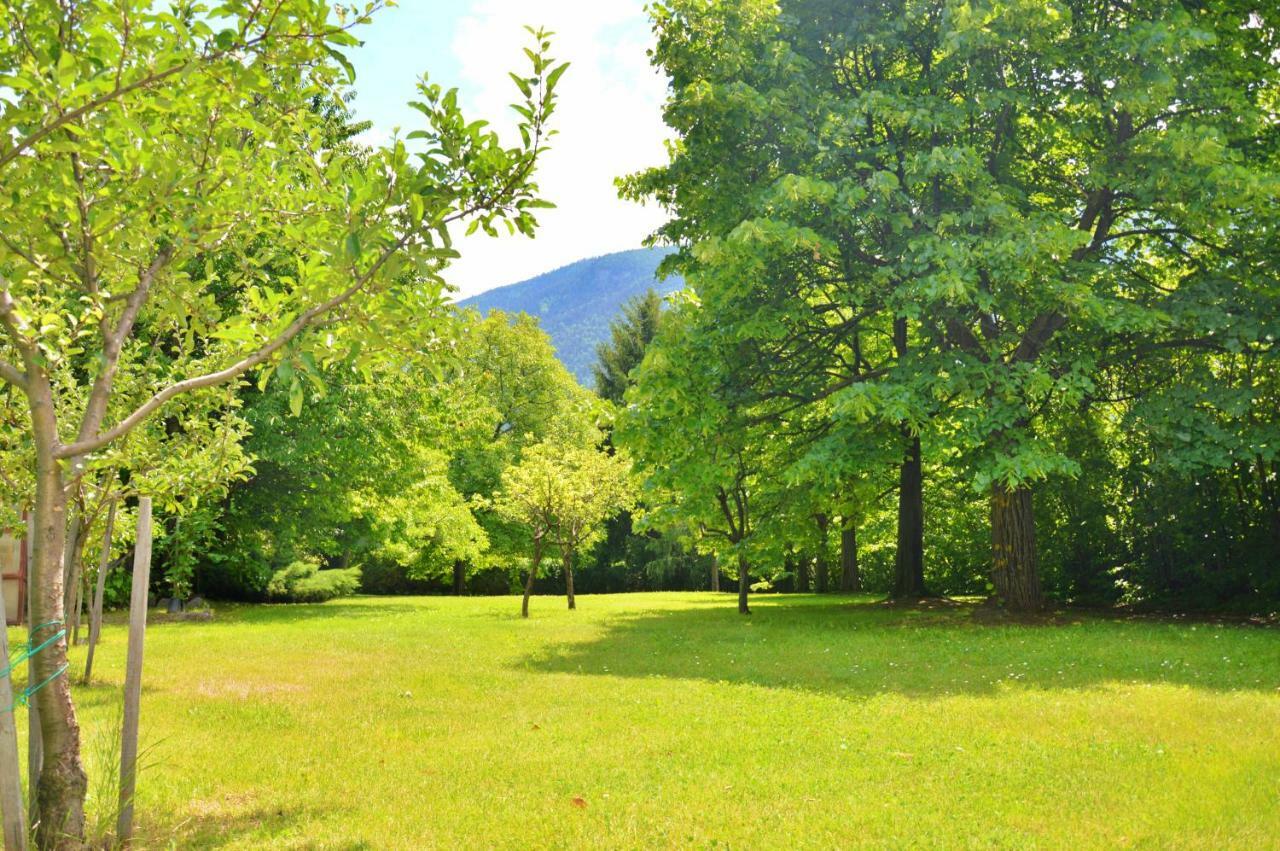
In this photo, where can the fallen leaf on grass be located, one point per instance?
(579, 802)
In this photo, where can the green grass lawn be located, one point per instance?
(667, 720)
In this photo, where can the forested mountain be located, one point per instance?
(576, 303)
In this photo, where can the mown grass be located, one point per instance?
(667, 720)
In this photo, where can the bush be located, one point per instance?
(305, 582)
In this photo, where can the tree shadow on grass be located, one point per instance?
(225, 826)
(285, 613)
(855, 647)
(233, 824)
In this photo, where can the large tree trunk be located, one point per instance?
(744, 584)
(459, 578)
(568, 579)
(909, 567)
(850, 577)
(59, 807)
(533, 574)
(823, 565)
(1015, 573)
(801, 565)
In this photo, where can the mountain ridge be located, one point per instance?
(576, 303)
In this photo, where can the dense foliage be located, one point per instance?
(967, 255)
(391, 470)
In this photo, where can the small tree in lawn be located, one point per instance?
(139, 144)
(528, 497)
(597, 485)
(563, 495)
(508, 372)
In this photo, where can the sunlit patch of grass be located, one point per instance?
(668, 720)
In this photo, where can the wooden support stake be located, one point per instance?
(15, 819)
(95, 608)
(35, 742)
(133, 671)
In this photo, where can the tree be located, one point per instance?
(703, 463)
(137, 142)
(769, 244)
(361, 476)
(506, 368)
(562, 495)
(957, 219)
(629, 336)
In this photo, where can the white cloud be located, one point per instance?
(372, 137)
(609, 122)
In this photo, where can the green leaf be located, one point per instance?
(555, 75)
(341, 58)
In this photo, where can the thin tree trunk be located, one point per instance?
(744, 584)
(459, 578)
(71, 560)
(77, 603)
(74, 593)
(568, 578)
(909, 563)
(715, 574)
(59, 810)
(823, 565)
(533, 574)
(99, 589)
(1015, 570)
(850, 577)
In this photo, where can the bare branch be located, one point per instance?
(13, 375)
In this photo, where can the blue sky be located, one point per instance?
(609, 116)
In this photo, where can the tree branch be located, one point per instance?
(8, 371)
(147, 81)
(213, 379)
(113, 343)
(13, 375)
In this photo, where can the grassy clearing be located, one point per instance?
(667, 720)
